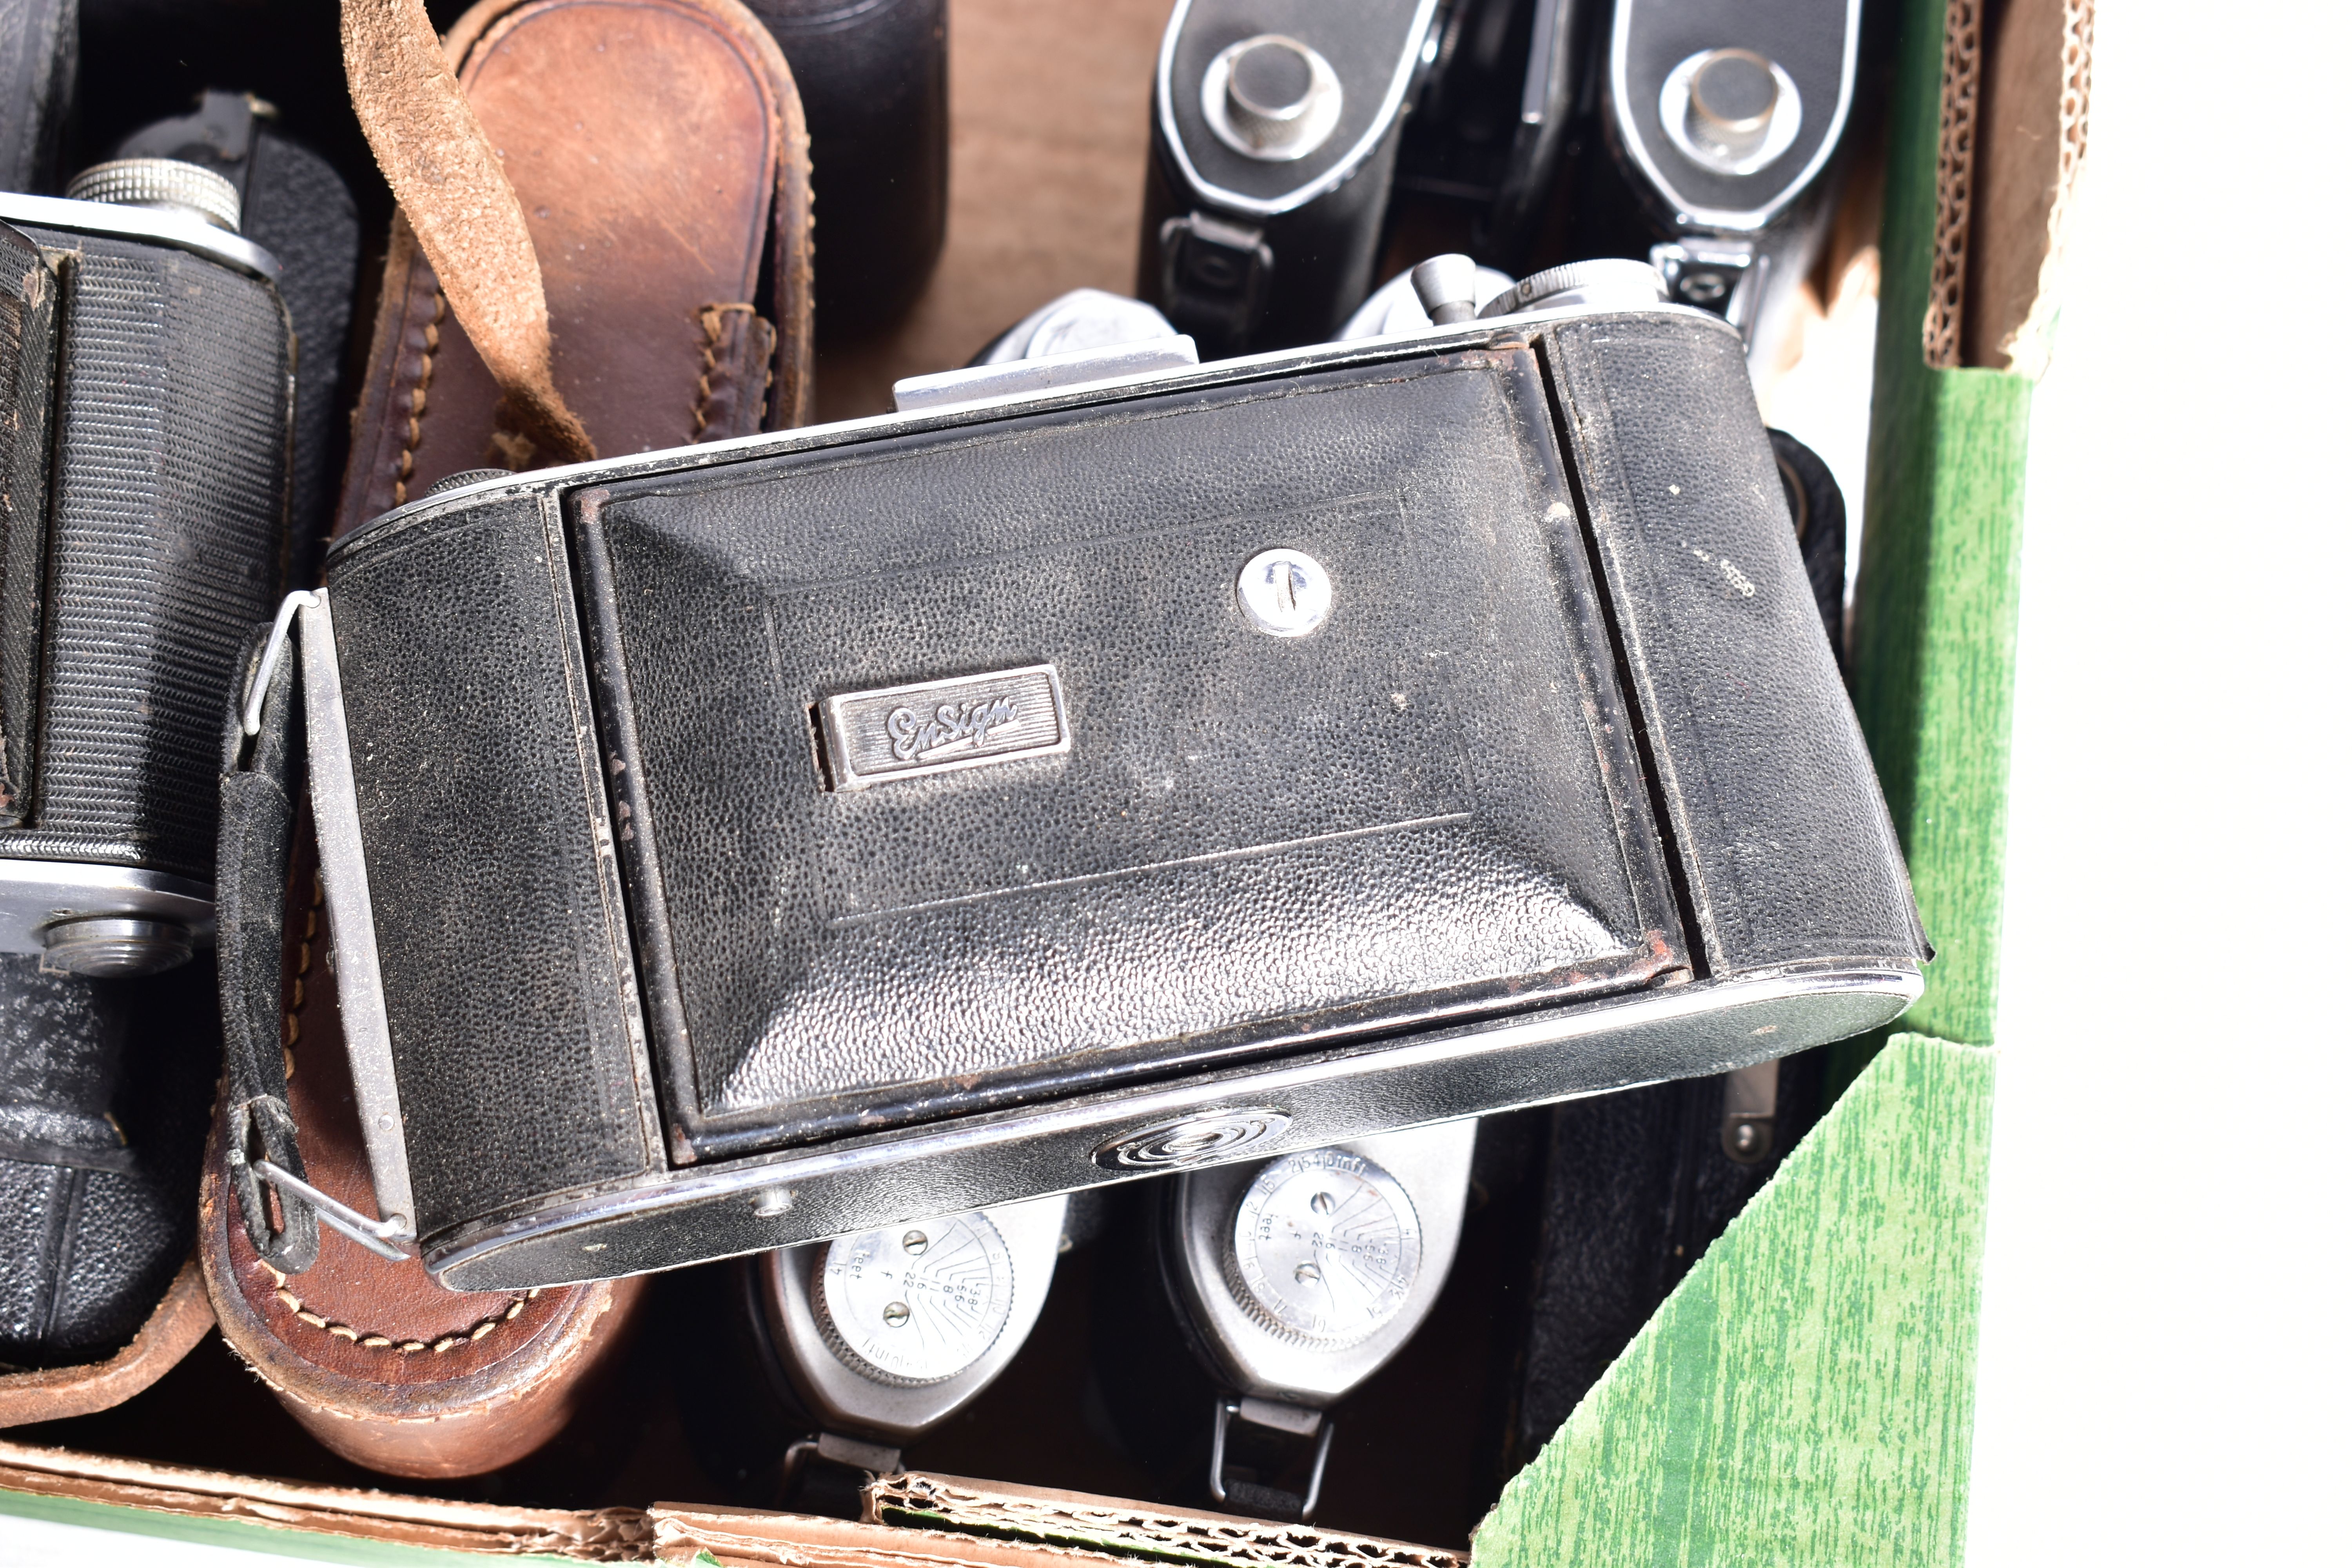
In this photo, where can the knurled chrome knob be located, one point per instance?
(113, 948)
(1326, 1247)
(915, 1304)
(1613, 282)
(165, 182)
(1271, 97)
(464, 477)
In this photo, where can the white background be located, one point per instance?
(2163, 1369)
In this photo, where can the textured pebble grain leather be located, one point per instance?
(101, 1127)
(1790, 854)
(1429, 804)
(1405, 809)
(491, 752)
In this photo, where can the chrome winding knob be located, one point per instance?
(1271, 97)
(165, 182)
(1730, 110)
(1326, 1247)
(915, 1304)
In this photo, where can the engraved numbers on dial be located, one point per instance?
(915, 1304)
(1326, 1246)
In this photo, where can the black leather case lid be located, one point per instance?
(1427, 805)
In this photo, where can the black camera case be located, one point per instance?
(146, 365)
(1733, 239)
(743, 845)
(1244, 251)
(873, 80)
(148, 368)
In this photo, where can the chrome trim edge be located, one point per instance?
(1082, 1123)
(192, 235)
(1163, 107)
(342, 871)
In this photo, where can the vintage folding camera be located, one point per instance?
(1274, 139)
(1716, 147)
(147, 364)
(750, 844)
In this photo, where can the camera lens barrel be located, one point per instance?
(111, 949)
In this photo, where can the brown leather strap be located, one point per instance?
(445, 176)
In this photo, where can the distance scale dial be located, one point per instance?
(1326, 1247)
(915, 1304)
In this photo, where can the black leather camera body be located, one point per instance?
(765, 841)
(1714, 153)
(1273, 140)
(146, 362)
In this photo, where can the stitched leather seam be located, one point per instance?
(278, 1278)
(713, 318)
(374, 1342)
(416, 429)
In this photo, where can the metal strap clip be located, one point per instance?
(376, 1235)
(272, 651)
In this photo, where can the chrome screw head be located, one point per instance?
(1284, 593)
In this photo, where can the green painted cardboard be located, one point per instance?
(1807, 1395)
(1803, 1397)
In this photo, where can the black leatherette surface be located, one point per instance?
(497, 914)
(105, 1087)
(1787, 849)
(1251, 837)
(607, 862)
